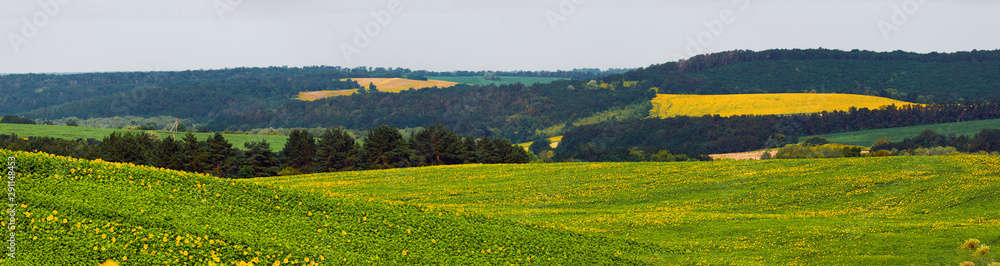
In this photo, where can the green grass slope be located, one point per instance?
(79, 212)
(868, 137)
(854, 211)
(66, 132)
(479, 80)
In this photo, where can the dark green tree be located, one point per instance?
(223, 159)
(299, 151)
(372, 88)
(260, 159)
(194, 153)
(336, 151)
(169, 154)
(71, 123)
(384, 148)
(435, 145)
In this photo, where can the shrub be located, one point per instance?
(793, 151)
(815, 141)
(851, 152)
(766, 155)
(882, 153)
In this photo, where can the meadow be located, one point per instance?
(671, 105)
(66, 132)
(851, 211)
(868, 137)
(479, 80)
(80, 212)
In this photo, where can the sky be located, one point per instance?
(47, 36)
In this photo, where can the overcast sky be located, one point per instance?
(168, 35)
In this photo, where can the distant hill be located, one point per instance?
(912, 77)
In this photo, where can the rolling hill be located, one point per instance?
(858, 211)
(868, 137)
(670, 105)
(79, 212)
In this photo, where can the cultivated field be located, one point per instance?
(382, 84)
(79, 212)
(670, 105)
(853, 211)
(66, 132)
(479, 80)
(868, 137)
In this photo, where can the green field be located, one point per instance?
(478, 80)
(855, 211)
(79, 212)
(65, 132)
(868, 137)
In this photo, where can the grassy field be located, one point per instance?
(79, 212)
(868, 137)
(382, 84)
(478, 80)
(65, 132)
(670, 105)
(854, 211)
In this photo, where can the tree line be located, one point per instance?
(715, 134)
(336, 150)
(987, 140)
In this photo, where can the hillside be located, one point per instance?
(78, 212)
(868, 137)
(911, 77)
(670, 105)
(861, 211)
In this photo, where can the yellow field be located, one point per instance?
(670, 105)
(382, 84)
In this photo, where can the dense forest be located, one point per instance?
(384, 147)
(715, 134)
(924, 78)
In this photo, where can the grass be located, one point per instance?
(868, 137)
(671, 105)
(382, 84)
(79, 212)
(479, 80)
(66, 132)
(850, 211)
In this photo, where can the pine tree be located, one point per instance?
(196, 160)
(336, 151)
(385, 148)
(435, 145)
(260, 159)
(299, 151)
(222, 157)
